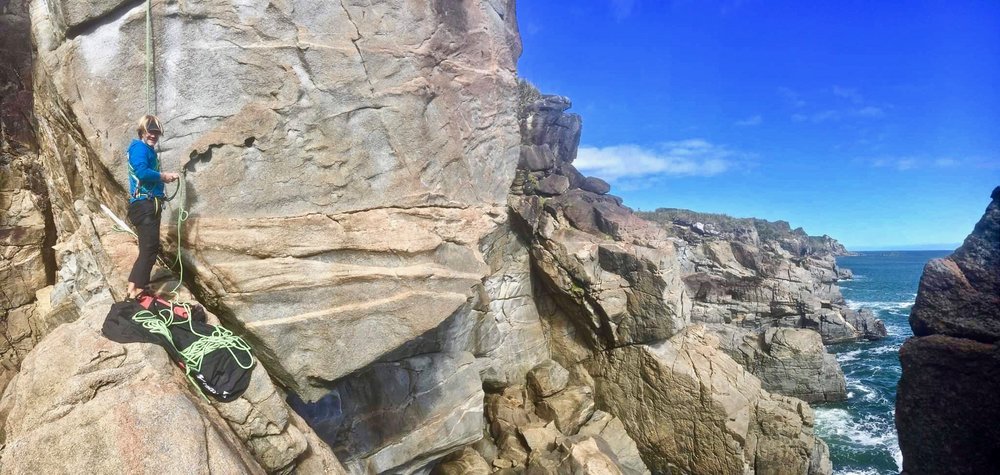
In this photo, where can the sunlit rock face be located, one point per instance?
(619, 317)
(946, 406)
(344, 159)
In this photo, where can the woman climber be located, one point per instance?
(145, 200)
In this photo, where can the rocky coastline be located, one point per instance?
(429, 284)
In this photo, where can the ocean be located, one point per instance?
(861, 432)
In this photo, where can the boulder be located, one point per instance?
(569, 409)
(96, 403)
(540, 437)
(463, 462)
(552, 185)
(507, 411)
(588, 454)
(547, 124)
(595, 185)
(710, 415)
(536, 158)
(547, 378)
(610, 429)
(959, 295)
(946, 406)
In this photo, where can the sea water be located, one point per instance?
(861, 431)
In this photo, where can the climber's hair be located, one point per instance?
(149, 123)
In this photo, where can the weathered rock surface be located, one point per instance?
(95, 395)
(959, 295)
(397, 417)
(531, 437)
(789, 361)
(502, 327)
(632, 291)
(611, 430)
(756, 273)
(96, 403)
(336, 128)
(612, 300)
(946, 405)
(25, 260)
(348, 171)
(690, 407)
(464, 462)
(547, 378)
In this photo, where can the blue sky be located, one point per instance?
(877, 123)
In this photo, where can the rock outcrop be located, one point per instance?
(98, 405)
(683, 398)
(26, 259)
(619, 317)
(946, 406)
(789, 361)
(359, 103)
(758, 274)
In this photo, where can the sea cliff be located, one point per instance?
(393, 220)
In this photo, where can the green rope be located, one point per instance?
(150, 101)
(194, 355)
(182, 215)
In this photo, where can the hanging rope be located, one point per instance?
(150, 97)
(182, 215)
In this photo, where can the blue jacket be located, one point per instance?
(144, 180)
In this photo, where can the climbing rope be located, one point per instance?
(150, 99)
(182, 215)
(159, 323)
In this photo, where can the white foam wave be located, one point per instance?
(849, 356)
(838, 424)
(889, 306)
(881, 350)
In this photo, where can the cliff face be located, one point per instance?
(771, 295)
(397, 227)
(618, 312)
(946, 406)
(26, 258)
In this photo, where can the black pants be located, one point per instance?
(145, 216)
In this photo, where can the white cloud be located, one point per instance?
(791, 97)
(867, 112)
(693, 157)
(855, 107)
(914, 163)
(750, 121)
(622, 8)
(847, 93)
